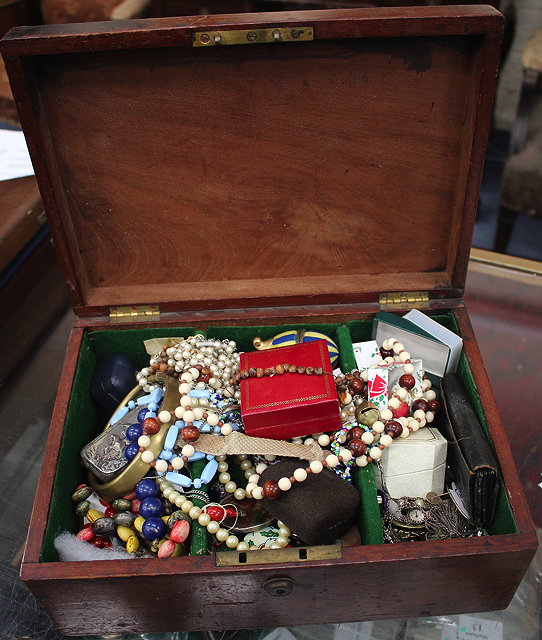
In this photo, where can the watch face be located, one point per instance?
(251, 516)
(416, 516)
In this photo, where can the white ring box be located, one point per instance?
(416, 465)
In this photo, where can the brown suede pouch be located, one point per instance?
(318, 510)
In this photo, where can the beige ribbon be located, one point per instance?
(238, 443)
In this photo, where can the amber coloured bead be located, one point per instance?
(419, 403)
(190, 434)
(355, 432)
(356, 386)
(357, 447)
(271, 490)
(407, 381)
(150, 426)
(434, 406)
(393, 428)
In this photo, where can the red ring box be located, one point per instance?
(290, 404)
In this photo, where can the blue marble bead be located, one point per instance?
(146, 488)
(131, 451)
(142, 414)
(154, 529)
(134, 431)
(151, 507)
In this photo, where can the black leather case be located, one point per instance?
(471, 463)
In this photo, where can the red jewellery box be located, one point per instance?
(289, 404)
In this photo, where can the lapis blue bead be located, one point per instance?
(146, 488)
(131, 451)
(134, 431)
(154, 529)
(142, 414)
(151, 507)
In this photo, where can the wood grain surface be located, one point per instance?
(260, 175)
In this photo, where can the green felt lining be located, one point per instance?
(84, 420)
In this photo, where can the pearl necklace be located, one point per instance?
(213, 527)
(216, 359)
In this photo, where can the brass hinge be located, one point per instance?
(141, 313)
(252, 36)
(404, 299)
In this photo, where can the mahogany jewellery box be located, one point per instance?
(242, 175)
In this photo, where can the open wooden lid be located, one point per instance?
(289, 172)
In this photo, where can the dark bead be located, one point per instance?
(286, 368)
(355, 432)
(151, 507)
(309, 371)
(131, 451)
(318, 371)
(434, 406)
(176, 516)
(356, 386)
(419, 403)
(151, 426)
(279, 369)
(204, 377)
(245, 374)
(301, 370)
(121, 504)
(271, 490)
(292, 368)
(259, 372)
(357, 447)
(269, 371)
(407, 381)
(386, 353)
(252, 372)
(82, 507)
(356, 374)
(104, 527)
(133, 432)
(190, 434)
(154, 529)
(146, 488)
(124, 519)
(205, 371)
(141, 414)
(393, 428)
(349, 376)
(81, 494)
